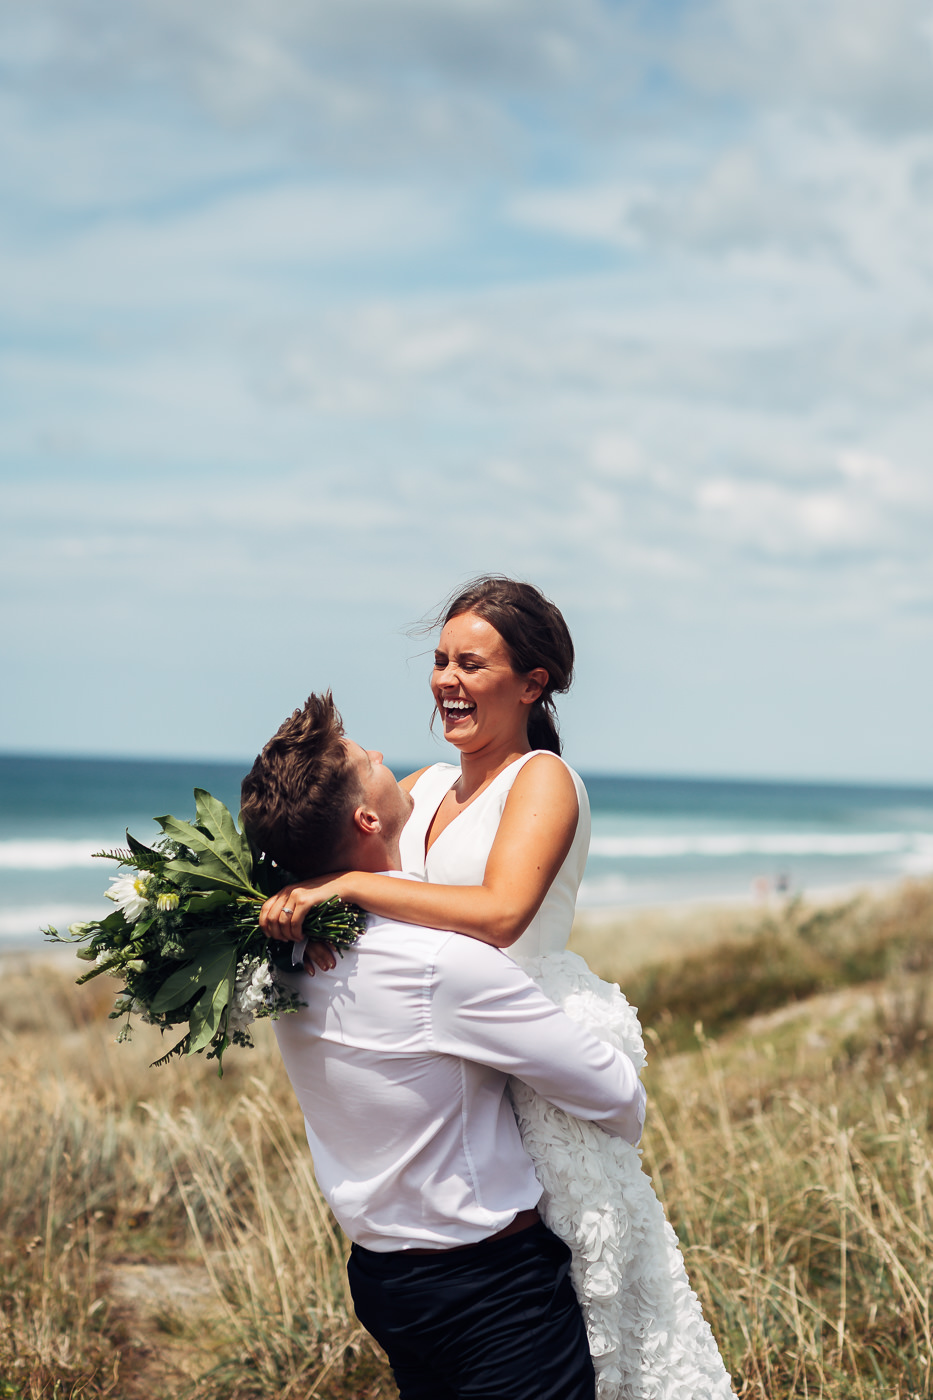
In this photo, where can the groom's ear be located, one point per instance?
(366, 822)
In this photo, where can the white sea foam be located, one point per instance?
(48, 854)
(26, 922)
(787, 843)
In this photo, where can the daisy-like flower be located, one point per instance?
(128, 892)
(167, 902)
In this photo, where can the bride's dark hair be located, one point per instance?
(535, 634)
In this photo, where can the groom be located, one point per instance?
(400, 1061)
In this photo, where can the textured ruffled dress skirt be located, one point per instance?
(648, 1337)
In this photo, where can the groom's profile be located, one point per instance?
(400, 1060)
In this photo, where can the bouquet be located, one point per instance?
(185, 937)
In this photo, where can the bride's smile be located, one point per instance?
(478, 693)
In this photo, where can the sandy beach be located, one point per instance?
(622, 940)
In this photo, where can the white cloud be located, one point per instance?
(192, 259)
(600, 214)
(319, 302)
(869, 59)
(412, 81)
(618, 457)
(794, 518)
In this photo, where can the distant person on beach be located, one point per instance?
(400, 1062)
(499, 842)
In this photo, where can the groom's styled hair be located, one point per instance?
(300, 794)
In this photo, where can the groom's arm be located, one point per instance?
(483, 1007)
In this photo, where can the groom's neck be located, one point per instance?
(373, 854)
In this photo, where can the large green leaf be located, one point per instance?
(210, 873)
(224, 858)
(216, 818)
(204, 1021)
(212, 974)
(208, 903)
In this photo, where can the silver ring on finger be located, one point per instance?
(288, 911)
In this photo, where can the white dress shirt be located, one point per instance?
(400, 1060)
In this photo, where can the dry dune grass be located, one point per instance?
(158, 1226)
(802, 1186)
(161, 1232)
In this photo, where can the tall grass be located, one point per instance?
(804, 1201)
(784, 955)
(793, 1150)
(275, 1258)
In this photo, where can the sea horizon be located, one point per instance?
(657, 838)
(445, 754)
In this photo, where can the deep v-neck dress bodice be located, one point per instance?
(458, 855)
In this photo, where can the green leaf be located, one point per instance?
(139, 849)
(112, 964)
(115, 924)
(203, 903)
(143, 857)
(209, 873)
(204, 1021)
(212, 974)
(224, 859)
(134, 855)
(178, 1049)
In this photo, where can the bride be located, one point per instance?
(501, 841)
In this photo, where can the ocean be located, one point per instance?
(655, 840)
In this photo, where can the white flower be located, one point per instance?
(250, 994)
(167, 902)
(128, 892)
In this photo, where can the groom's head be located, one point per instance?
(315, 801)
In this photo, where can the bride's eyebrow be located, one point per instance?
(459, 656)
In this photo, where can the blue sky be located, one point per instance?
(311, 311)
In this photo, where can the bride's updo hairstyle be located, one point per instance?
(535, 635)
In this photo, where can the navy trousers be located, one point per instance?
(498, 1321)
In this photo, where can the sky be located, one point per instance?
(312, 311)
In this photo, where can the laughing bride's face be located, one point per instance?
(480, 698)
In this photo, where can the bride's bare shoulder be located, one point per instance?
(409, 782)
(545, 775)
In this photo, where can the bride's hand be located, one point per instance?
(283, 915)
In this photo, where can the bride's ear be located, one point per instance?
(535, 681)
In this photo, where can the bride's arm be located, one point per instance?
(535, 833)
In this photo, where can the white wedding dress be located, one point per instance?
(647, 1333)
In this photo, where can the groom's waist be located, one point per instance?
(390, 1261)
(523, 1221)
